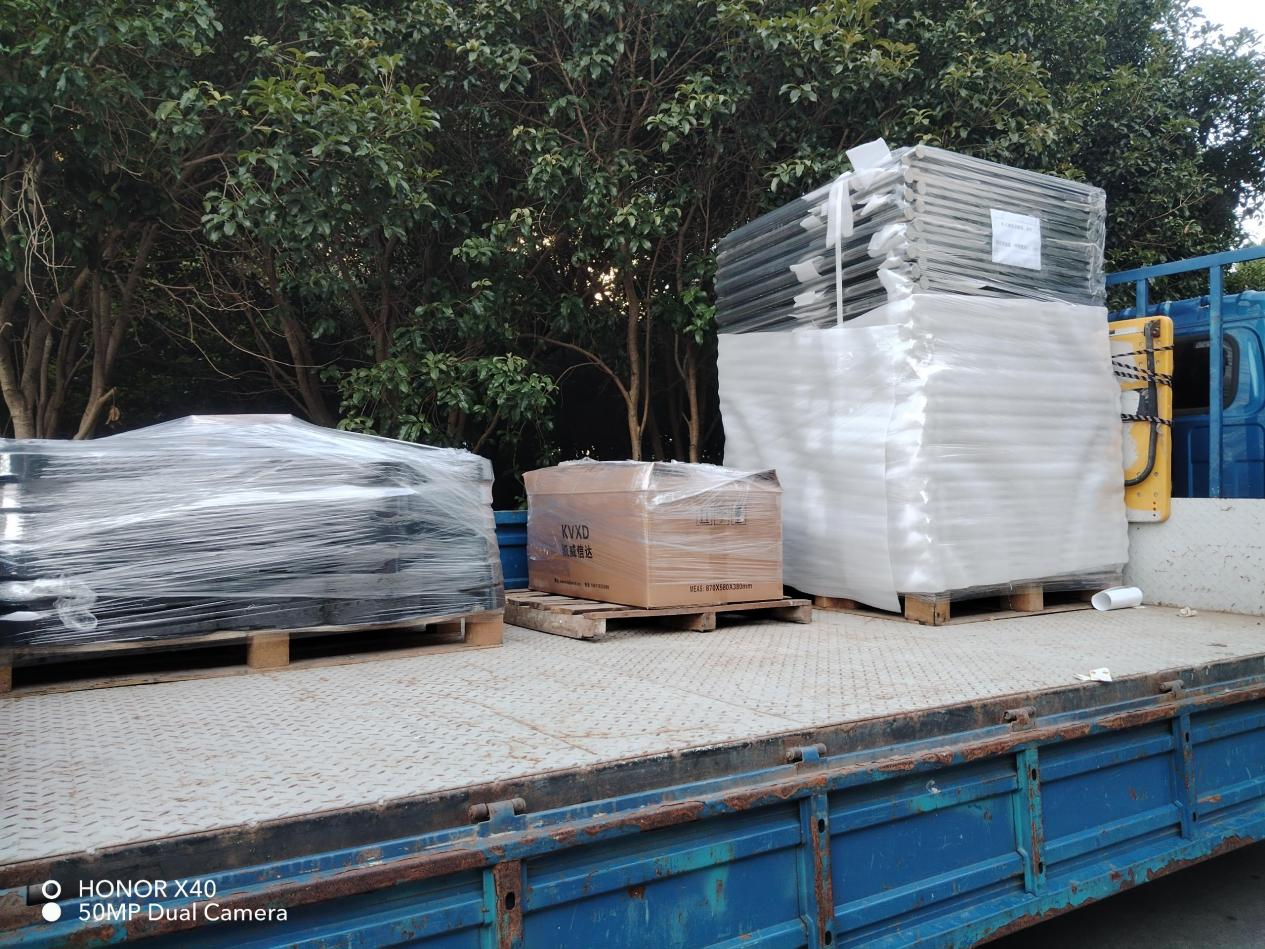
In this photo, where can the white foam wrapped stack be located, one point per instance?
(938, 443)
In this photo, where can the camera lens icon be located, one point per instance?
(50, 889)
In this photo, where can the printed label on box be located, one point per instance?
(720, 513)
(1016, 240)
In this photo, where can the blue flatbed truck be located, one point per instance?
(853, 782)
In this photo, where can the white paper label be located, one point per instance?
(869, 155)
(1016, 240)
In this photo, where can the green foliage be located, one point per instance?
(320, 160)
(1247, 276)
(424, 395)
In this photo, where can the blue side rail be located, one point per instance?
(943, 827)
(1214, 264)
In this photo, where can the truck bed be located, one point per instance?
(94, 771)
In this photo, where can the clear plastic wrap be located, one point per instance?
(912, 220)
(238, 522)
(942, 443)
(654, 533)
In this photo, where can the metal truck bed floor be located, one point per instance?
(96, 769)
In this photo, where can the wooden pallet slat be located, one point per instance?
(268, 651)
(937, 609)
(930, 611)
(265, 650)
(586, 619)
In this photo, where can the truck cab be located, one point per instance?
(1242, 416)
(1242, 401)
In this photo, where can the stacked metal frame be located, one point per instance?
(918, 219)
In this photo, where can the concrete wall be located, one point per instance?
(1209, 555)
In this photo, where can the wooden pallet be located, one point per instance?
(587, 619)
(969, 606)
(26, 670)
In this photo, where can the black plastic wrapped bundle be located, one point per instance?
(236, 523)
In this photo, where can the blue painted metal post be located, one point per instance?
(1216, 380)
(1184, 773)
(816, 893)
(1028, 819)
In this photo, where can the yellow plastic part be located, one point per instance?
(1145, 379)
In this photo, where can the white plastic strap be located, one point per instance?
(839, 226)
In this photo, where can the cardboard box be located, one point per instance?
(654, 533)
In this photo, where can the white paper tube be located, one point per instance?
(1117, 598)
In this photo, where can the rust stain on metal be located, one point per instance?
(823, 887)
(637, 892)
(651, 818)
(1141, 716)
(507, 879)
(758, 796)
(1023, 922)
(1127, 880)
(81, 938)
(351, 882)
(1226, 846)
(15, 912)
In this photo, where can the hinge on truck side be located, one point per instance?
(1173, 688)
(806, 754)
(497, 816)
(1020, 718)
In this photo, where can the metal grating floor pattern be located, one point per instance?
(87, 770)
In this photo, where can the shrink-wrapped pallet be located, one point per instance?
(217, 523)
(941, 443)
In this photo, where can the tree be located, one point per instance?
(86, 178)
(640, 133)
(481, 223)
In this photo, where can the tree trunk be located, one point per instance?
(99, 393)
(691, 393)
(633, 396)
(110, 325)
(305, 374)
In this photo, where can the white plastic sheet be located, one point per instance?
(939, 443)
